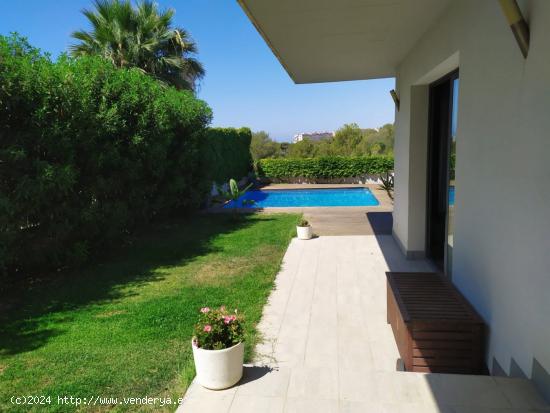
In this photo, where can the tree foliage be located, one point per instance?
(349, 140)
(87, 152)
(262, 146)
(306, 148)
(141, 37)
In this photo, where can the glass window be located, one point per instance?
(451, 185)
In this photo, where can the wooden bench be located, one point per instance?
(435, 328)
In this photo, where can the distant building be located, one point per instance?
(313, 136)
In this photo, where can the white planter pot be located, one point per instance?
(304, 232)
(219, 369)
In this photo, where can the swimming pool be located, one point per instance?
(305, 198)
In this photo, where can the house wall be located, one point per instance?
(501, 258)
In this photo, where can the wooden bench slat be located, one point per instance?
(435, 328)
(444, 344)
(440, 362)
(442, 353)
(442, 335)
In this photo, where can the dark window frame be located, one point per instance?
(438, 186)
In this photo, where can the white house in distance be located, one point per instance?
(476, 202)
(312, 136)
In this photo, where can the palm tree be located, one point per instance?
(141, 37)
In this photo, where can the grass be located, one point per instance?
(122, 327)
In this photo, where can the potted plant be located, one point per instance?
(218, 348)
(304, 230)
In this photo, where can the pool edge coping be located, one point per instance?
(385, 204)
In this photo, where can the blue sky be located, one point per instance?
(245, 85)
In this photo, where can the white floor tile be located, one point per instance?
(328, 348)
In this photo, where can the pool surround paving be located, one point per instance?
(353, 220)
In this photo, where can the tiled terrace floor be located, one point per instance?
(328, 347)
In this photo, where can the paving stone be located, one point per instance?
(327, 346)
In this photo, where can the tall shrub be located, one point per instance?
(324, 167)
(225, 154)
(87, 151)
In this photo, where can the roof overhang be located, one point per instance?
(334, 40)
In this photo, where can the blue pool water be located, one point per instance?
(452, 195)
(306, 198)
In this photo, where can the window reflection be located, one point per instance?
(451, 186)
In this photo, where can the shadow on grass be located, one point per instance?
(25, 324)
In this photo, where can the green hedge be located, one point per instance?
(88, 151)
(323, 168)
(225, 154)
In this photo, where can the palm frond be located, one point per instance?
(142, 37)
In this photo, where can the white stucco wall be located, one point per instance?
(502, 238)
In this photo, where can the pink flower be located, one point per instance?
(229, 318)
(207, 328)
(205, 310)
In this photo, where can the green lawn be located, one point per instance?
(122, 327)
